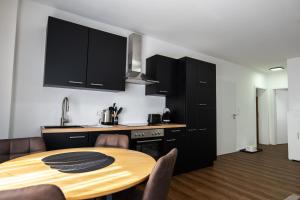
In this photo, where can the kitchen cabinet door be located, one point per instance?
(201, 83)
(55, 141)
(174, 138)
(66, 54)
(161, 68)
(106, 61)
(199, 149)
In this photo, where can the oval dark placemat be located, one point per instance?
(78, 162)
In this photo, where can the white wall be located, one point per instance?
(276, 80)
(281, 116)
(294, 108)
(8, 20)
(294, 83)
(263, 116)
(36, 105)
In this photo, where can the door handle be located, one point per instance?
(96, 84)
(203, 82)
(77, 137)
(298, 135)
(234, 115)
(76, 82)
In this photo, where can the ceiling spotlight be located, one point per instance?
(276, 68)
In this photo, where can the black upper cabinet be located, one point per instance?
(160, 68)
(106, 61)
(66, 54)
(78, 56)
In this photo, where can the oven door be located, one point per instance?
(150, 146)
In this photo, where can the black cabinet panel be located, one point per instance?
(66, 54)
(55, 141)
(106, 61)
(74, 140)
(161, 68)
(77, 56)
(195, 104)
(200, 152)
(174, 138)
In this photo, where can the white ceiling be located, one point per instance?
(254, 33)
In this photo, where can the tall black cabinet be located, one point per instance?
(194, 103)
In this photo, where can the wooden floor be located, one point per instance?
(265, 175)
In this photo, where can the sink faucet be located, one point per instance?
(65, 108)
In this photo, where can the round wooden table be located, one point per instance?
(129, 169)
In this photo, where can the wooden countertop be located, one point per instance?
(129, 169)
(113, 128)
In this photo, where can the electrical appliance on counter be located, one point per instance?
(154, 119)
(166, 117)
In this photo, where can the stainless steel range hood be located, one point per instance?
(134, 72)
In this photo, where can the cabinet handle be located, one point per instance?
(202, 129)
(76, 137)
(175, 131)
(203, 82)
(76, 82)
(163, 91)
(201, 104)
(96, 84)
(171, 140)
(192, 130)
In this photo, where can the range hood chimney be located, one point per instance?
(134, 72)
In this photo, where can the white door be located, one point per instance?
(281, 116)
(294, 135)
(226, 129)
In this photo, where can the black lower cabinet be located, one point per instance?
(55, 141)
(174, 139)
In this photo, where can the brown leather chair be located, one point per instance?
(13, 148)
(39, 192)
(112, 140)
(158, 184)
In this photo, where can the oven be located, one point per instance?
(149, 141)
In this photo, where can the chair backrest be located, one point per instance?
(159, 181)
(39, 192)
(112, 140)
(13, 148)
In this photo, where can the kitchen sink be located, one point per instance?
(73, 126)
